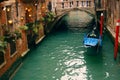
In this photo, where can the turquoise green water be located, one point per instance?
(62, 56)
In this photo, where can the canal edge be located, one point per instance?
(112, 35)
(15, 71)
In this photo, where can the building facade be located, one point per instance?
(16, 19)
(113, 12)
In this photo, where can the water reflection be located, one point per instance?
(75, 70)
(75, 74)
(74, 64)
(80, 19)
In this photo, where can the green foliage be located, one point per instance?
(18, 34)
(40, 26)
(30, 26)
(23, 27)
(12, 36)
(49, 17)
(42, 19)
(35, 29)
(3, 44)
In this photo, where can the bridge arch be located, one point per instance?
(90, 12)
(75, 9)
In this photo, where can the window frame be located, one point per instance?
(4, 62)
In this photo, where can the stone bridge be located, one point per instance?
(68, 5)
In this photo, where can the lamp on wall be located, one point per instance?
(22, 18)
(35, 4)
(8, 9)
(30, 15)
(29, 10)
(10, 21)
(26, 8)
(3, 8)
(43, 7)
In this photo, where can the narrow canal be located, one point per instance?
(62, 56)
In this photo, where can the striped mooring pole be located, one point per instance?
(116, 40)
(101, 24)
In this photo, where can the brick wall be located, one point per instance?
(21, 44)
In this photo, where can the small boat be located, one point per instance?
(93, 41)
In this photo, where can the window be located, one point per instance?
(62, 5)
(9, 17)
(12, 47)
(2, 60)
(11, 39)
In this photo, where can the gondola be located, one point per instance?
(93, 41)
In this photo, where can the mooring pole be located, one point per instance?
(116, 39)
(101, 24)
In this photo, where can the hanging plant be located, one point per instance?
(49, 17)
(12, 36)
(42, 19)
(24, 27)
(3, 44)
(29, 26)
(40, 26)
(18, 34)
(35, 29)
(9, 36)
